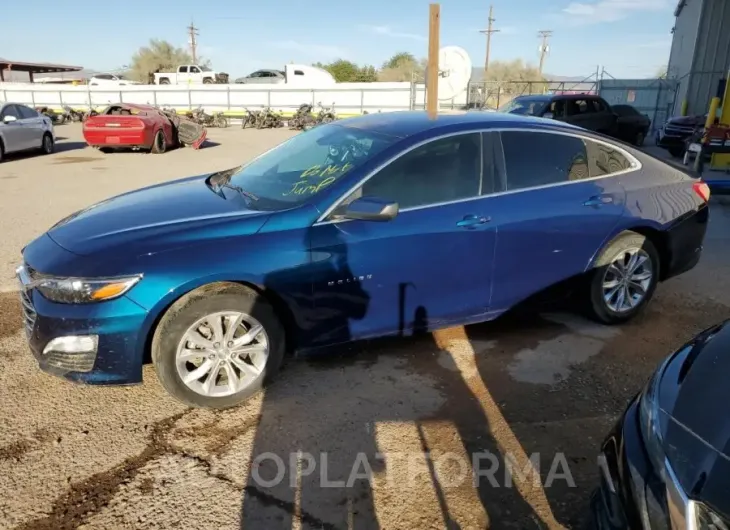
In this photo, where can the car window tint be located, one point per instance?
(604, 160)
(538, 159)
(577, 107)
(557, 108)
(443, 170)
(194, 70)
(26, 112)
(183, 69)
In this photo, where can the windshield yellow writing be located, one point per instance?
(326, 171)
(305, 187)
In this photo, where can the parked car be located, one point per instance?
(666, 464)
(631, 125)
(584, 110)
(23, 129)
(130, 126)
(263, 77)
(368, 226)
(111, 80)
(676, 131)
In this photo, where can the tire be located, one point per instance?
(221, 122)
(624, 246)
(164, 81)
(159, 144)
(2, 152)
(639, 139)
(47, 144)
(60, 119)
(190, 312)
(207, 81)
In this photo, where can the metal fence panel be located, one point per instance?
(653, 97)
(494, 94)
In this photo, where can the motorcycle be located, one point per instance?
(302, 118)
(199, 116)
(70, 114)
(45, 111)
(250, 118)
(269, 119)
(326, 114)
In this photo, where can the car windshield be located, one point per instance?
(525, 106)
(303, 166)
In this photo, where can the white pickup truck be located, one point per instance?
(190, 74)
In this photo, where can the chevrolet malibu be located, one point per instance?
(378, 225)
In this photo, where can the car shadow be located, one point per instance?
(65, 146)
(209, 144)
(333, 430)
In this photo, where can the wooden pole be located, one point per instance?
(432, 85)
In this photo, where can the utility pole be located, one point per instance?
(544, 47)
(192, 34)
(488, 32)
(432, 72)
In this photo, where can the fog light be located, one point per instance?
(72, 344)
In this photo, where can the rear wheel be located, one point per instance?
(207, 81)
(47, 144)
(639, 139)
(623, 279)
(218, 346)
(159, 145)
(164, 81)
(2, 151)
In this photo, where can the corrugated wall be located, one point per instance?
(686, 28)
(712, 55)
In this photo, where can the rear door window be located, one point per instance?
(534, 159)
(11, 110)
(26, 112)
(605, 160)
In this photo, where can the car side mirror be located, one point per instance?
(548, 115)
(9, 119)
(370, 209)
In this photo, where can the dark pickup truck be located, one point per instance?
(676, 131)
(585, 110)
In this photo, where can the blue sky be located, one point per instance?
(629, 38)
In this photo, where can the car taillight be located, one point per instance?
(702, 189)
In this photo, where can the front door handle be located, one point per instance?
(598, 200)
(473, 220)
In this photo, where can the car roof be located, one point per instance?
(407, 123)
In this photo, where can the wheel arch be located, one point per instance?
(282, 309)
(653, 233)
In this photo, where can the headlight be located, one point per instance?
(84, 290)
(706, 519)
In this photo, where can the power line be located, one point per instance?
(544, 48)
(192, 34)
(488, 32)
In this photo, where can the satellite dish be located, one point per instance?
(454, 72)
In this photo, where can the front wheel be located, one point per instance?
(47, 145)
(221, 121)
(623, 279)
(639, 139)
(218, 346)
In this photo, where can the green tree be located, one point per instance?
(348, 72)
(159, 55)
(506, 80)
(402, 66)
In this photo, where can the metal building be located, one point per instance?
(700, 56)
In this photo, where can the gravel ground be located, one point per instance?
(534, 394)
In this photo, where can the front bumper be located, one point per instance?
(632, 493)
(116, 358)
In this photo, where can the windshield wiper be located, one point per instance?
(240, 190)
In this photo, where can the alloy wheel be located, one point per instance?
(222, 354)
(627, 280)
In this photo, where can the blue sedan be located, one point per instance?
(378, 225)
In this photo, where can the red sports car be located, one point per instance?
(126, 125)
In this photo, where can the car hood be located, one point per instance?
(687, 121)
(694, 395)
(156, 218)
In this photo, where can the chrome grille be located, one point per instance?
(25, 275)
(29, 314)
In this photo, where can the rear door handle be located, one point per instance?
(473, 220)
(598, 200)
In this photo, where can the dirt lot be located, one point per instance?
(419, 412)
